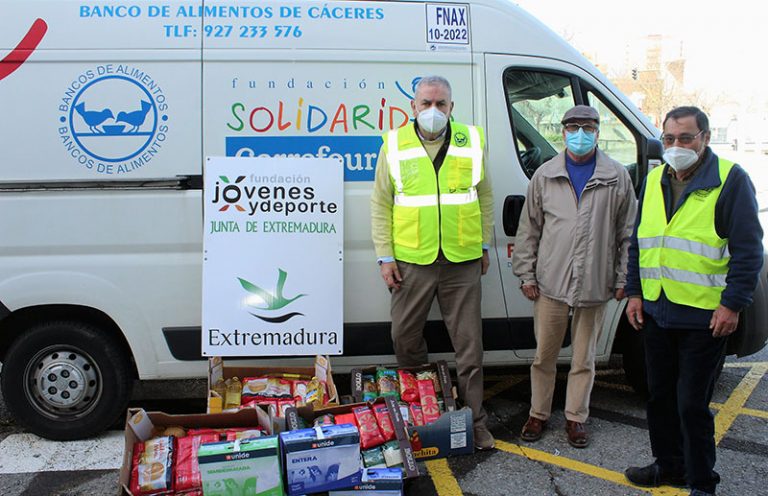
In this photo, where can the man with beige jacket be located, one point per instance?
(571, 257)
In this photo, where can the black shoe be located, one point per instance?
(653, 476)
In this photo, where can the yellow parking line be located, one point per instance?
(504, 384)
(614, 386)
(735, 404)
(442, 477)
(584, 468)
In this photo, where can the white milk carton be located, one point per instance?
(249, 467)
(376, 482)
(321, 458)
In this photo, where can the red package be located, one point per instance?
(370, 435)
(408, 389)
(416, 415)
(151, 471)
(429, 407)
(346, 418)
(385, 422)
(268, 405)
(186, 474)
(204, 430)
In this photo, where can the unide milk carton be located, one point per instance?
(321, 458)
(250, 467)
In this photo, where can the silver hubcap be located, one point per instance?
(63, 382)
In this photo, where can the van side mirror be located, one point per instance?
(654, 149)
(510, 217)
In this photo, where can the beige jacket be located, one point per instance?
(576, 253)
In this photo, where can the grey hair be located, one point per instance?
(432, 81)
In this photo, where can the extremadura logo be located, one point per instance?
(113, 119)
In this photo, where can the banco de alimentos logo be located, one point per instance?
(113, 119)
(270, 304)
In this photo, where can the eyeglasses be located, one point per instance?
(574, 128)
(684, 139)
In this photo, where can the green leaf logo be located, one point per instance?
(272, 301)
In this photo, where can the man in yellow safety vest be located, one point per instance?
(694, 263)
(432, 224)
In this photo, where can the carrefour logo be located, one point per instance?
(269, 305)
(113, 119)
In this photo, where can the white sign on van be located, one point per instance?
(447, 26)
(273, 256)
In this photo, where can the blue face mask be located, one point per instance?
(580, 143)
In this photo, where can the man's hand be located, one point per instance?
(724, 322)
(634, 312)
(531, 290)
(619, 294)
(485, 262)
(391, 275)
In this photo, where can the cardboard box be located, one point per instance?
(321, 458)
(375, 482)
(309, 414)
(452, 434)
(140, 425)
(251, 466)
(443, 375)
(217, 369)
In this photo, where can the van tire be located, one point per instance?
(66, 380)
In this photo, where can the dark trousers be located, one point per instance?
(681, 376)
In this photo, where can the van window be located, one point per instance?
(536, 102)
(616, 138)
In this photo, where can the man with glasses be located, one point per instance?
(570, 255)
(694, 262)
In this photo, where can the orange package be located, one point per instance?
(385, 422)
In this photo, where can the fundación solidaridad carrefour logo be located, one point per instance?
(113, 119)
(269, 304)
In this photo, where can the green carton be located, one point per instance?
(249, 467)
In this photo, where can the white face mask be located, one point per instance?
(679, 158)
(432, 120)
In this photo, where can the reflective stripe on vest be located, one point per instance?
(685, 258)
(436, 211)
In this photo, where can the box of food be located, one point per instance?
(321, 458)
(362, 389)
(384, 440)
(427, 401)
(272, 388)
(375, 482)
(250, 466)
(160, 451)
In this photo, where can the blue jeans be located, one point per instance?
(682, 364)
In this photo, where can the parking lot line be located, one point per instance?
(734, 405)
(584, 468)
(505, 382)
(443, 478)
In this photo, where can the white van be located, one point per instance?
(107, 110)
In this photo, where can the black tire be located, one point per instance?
(633, 359)
(66, 380)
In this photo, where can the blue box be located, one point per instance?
(321, 458)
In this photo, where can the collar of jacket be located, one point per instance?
(604, 170)
(707, 177)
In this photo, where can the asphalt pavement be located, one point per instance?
(31, 466)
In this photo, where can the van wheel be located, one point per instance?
(633, 359)
(66, 380)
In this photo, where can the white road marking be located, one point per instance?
(27, 453)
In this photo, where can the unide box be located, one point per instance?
(321, 458)
(249, 467)
(376, 482)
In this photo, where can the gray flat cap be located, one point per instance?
(581, 112)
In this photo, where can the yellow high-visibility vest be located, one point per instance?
(685, 257)
(433, 211)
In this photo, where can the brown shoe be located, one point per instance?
(532, 429)
(577, 434)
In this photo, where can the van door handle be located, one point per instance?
(513, 208)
